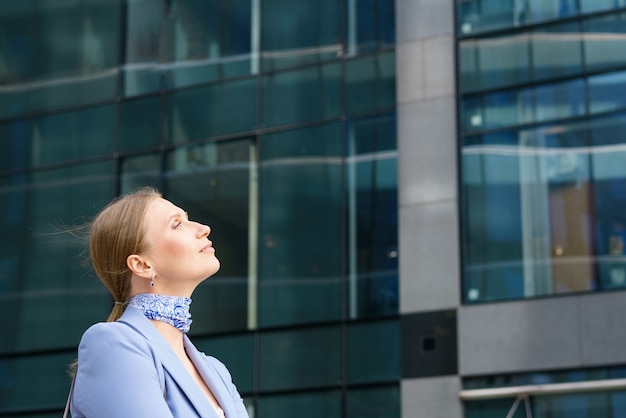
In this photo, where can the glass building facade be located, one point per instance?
(273, 121)
(543, 146)
(543, 178)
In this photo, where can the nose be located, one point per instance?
(203, 230)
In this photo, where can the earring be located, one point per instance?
(152, 282)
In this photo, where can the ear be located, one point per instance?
(139, 266)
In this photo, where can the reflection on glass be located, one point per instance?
(371, 187)
(180, 43)
(602, 88)
(283, 95)
(139, 171)
(42, 297)
(212, 182)
(604, 41)
(556, 51)
(369, 25)
(58, 55)
(210, 111)
(295, 32)
(371, 83)
(300, 219)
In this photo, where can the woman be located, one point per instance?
(140, 363)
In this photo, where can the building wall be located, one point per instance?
(428, 205)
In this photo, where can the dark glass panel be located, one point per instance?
(59, 137)
(300, 226)
(374, 352)
(212, 182)
(482, 15)
(556, 51)
(377, 402)
(494, 408)
(371, 83)
(34, 382)
(507, 108)
(210, 39)
(139, 171)
(371, 186)
(503, 61)
(552, 9)
(604, 41)
(609, 198)
(302, 95)
(140, 123)
(587, 6)
(58, 54)
(282, 353)
(560, 100)
(42, 298)
(603, 88)
(236, 352)
(295, 33)
(302, 405)
(210, 111)
(369, 25)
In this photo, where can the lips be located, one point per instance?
(208, 247)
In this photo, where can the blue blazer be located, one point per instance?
(127, 369)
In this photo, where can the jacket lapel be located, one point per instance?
(212, 378)
(135, 318)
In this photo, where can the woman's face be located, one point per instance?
(179, 249)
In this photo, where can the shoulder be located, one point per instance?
(111, 337)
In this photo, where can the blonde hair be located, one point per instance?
(114, 234)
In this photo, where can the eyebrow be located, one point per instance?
(178, 214)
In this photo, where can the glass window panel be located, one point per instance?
(282, 353)
(507, 108)
(371, 185)
(494, 408)
(302, 95)
(383, 402)
(209, 111)
(374, 352)
(58, 54)
(140, 121)
(552, 9)
(531, 186)
(604, 41)
(296, 33)
(603, 92)
(236, 352)
(472, 113)
(482, 15)
(34, 382)
(212, 182)
(60, 137)
(560, 100)
(302, 405)
(369, 25)
(41, 298)
(587, 6)
(468, 66)
(143, 170)
(209, 39)
(609, 179)
(300, 226)
(503, 61)
(556, 51)
(371, 83)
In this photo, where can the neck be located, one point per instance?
(171, 334)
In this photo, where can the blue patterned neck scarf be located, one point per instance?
(173, 310)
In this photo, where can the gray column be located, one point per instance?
(427, 184)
